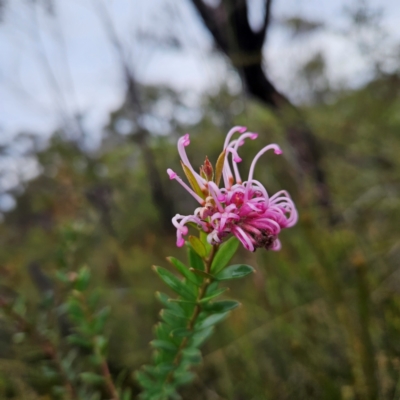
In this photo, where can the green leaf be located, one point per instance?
(183, 378)
(198, 246)
(195, 261)
(184, 270)
(181, 332)
(234, 272)
(79, 341)
(172, 319)
(91, 378)
(101, 344)
(212, 287)
(200, 337)
(126, 394)
(192, 355)
(203, 238)
(63, 277)
(219, 166)
(67, 360)
(144, 379)
(202, 274)
(100, 319)
(182, 301)
(211, 320)
(164, 345)
(212, 295)
(221, 306)
(224, 254)
(174, 283)
(82, 281)
(192, 180)
(96, 360)
(93, 299)
(75, 310)
(162, 331)
(173, 306)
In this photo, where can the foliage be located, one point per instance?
(319, 319)
(189, 320)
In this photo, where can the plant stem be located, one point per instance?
(108, 380)
(104, 369)
(196, 311)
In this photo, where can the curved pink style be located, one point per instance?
(243, 209)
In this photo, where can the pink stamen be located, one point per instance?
(243, 237)
(183, 142)
(215, 193)
(276, 149)
(174, 175)
(242, 209)
(235, 129)
(238, 143)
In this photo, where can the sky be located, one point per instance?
(53, 67)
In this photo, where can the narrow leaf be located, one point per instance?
(126, 394)
(211, 320)
(181, 332)
(203, 238)
(182, 301)
(144, 379)
(198, 246)
(172, 319)
(184, 270)
(164, 345)
(234, 272)
(219, 166)
(221, 306)
(174, 307)
(162, 331)
(183, 378)
(79, 341)
(224, 254)
(200, 337)
(192, 355)
(174, 283)
(195, 260)
(83, 279)
(213, 295)
(192, 180)
(202, 274)
(91, 378)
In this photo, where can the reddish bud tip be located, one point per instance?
(207, 169)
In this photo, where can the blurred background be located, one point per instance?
(93, 97)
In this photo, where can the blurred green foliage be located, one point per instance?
(320, 319)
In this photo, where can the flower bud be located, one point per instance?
(206, 170)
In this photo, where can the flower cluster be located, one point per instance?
(243, 209)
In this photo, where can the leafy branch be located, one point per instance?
(189, 320)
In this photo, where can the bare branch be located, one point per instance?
(214, 19)
(267, 19)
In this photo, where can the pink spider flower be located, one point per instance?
(240, 208)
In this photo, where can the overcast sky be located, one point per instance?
(51, 67)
